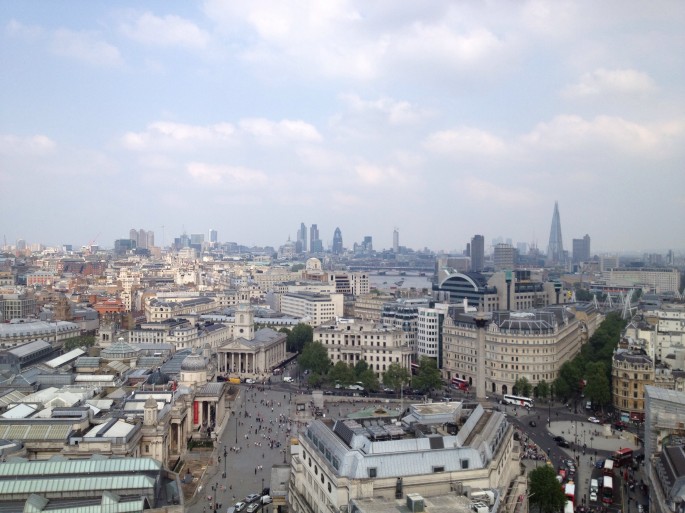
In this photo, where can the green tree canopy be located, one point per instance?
(78, 342)
(341, 373)
(428, 376)
(368, 379)
(360, 368)
(543, 389)
(314, 357)
(523, 387)
(396, 376)
(544, 490)
(298, 337)
(598, 388)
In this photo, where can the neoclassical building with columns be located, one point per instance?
(251, 352)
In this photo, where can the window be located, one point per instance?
(464, 464)
(438, 469)
(372, 472)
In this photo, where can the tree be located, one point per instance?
(298, 337)
(360, 368)
(296, 267)
(314, 357)
(341, 373)
(523, 387)
(598, 389)
(368, 379)
(544, 490)
(543, 389)
(396, 376)
(428, 376)
(77, 342)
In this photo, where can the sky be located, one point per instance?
(442, 119)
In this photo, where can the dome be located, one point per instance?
(313, 264)
(158, 378)
(193, 362)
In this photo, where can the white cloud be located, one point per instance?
(479, 190)
(29, 145)
(568, 133)
(381, 175)
(167, 30)
(229, 176)
(609, 82)
(86, 47)
(17, 29)
(178, 136)
(277, 131)
(392, 111)
(465, 141)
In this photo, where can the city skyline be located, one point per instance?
(444, 120)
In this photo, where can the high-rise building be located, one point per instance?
(555, 249)
(581, 249)
(477, 253)
(315, 244)
(337, 248)
(213, 235)
(302, 237)
(504, 257)
(150, 239)
(367, 243)
(395, 241)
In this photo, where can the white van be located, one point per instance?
(287, 379)
(594, 485)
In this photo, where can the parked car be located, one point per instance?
(287, 379)
(599, 464)
(532, 423)
(355, 387)
(594, 420)
(266, 499)
(593, 496)
(251, 498)
(239, 506)
(253, 507)
(559, 439)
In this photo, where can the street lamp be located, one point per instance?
(225, 458)
(236, 428)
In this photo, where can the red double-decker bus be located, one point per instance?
(460, 384)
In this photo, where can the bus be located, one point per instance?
(460, 384)
(607, 489)
(414, 369)
(623, 457)
(568, 507)
(608, 468)
(518, 400)
(570, 492)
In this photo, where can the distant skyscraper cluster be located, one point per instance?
(143, 239)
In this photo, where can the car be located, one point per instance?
(594, 420)
(253, 507)
(251, 498)
(250, 381)
(266, 499)
(593, 496)
(599, 464)
(355, 387)
(640, 508)
(620, 425)
(388, 390)
(559, 439)
(532, 423)
(239, 506)
(563, 443)
(287, 379)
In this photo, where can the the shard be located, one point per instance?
(555, 249)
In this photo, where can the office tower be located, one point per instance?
(395, 241)
(133, 235)
(504, 257)
(477, 253)
(315, 244)
(555, 249)
(142, 238)
(337, 242)
(581, 249)
(367, 244)
(197, 238)
(213, 235)
(302, 237)
(150, 239)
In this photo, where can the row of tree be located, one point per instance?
(314, 358)
(588, 373)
